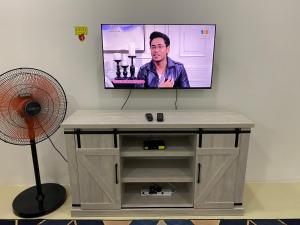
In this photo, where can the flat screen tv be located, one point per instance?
(155, 56)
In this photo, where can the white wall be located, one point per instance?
(256, 71)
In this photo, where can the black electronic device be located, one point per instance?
(154, 188)
(154, 145)
(160, 117)
(149, 117)
(158, 190)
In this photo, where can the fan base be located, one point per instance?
(26, 204)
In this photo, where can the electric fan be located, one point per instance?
(32, 106)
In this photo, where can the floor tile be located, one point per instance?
(56, 222)
(233, 222)
(88, 222)
(291, 221)
(7, 222)
(29, 222)
(267, 222)
(144, 222)
(116, 222)
(161, 222)
(179, 222)
(206, 222)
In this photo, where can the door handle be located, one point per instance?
(116, 172)
(199, 171)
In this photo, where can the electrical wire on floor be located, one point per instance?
(53, 144)
(176, 100)
(126, 99)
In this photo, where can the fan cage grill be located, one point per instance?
(42, 88)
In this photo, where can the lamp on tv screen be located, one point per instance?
(139, 56)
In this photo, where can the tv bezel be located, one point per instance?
(156, 88)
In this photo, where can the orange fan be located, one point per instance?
(32, 106)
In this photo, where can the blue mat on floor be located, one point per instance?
(152, 222)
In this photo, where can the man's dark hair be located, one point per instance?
(157, 34)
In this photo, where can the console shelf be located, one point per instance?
(182, 197)
(170, 152)
(204, 162)
(176, 145)
(156, 170)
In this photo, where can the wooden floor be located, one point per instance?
(261, 201)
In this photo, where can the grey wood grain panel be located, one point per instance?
(217, 178)
(241, 167)
(98, 151)
(158, 212)
(72, 166)
(97, 140)
(97, 180)
(218, 140)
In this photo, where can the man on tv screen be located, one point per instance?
(162, 71)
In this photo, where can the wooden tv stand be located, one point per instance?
(203, 165)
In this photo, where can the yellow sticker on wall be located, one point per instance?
(81, 30)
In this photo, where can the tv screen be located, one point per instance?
(152, 56)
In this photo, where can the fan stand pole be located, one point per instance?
(40, 199)
(35, 162)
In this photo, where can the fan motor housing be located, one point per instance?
(32, 108)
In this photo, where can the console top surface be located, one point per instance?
(178, 119)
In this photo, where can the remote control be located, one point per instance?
(160, 117)
(149, 116)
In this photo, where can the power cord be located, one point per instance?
(53, 144)
(57, 149)
(126, 99)
(176, 100)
